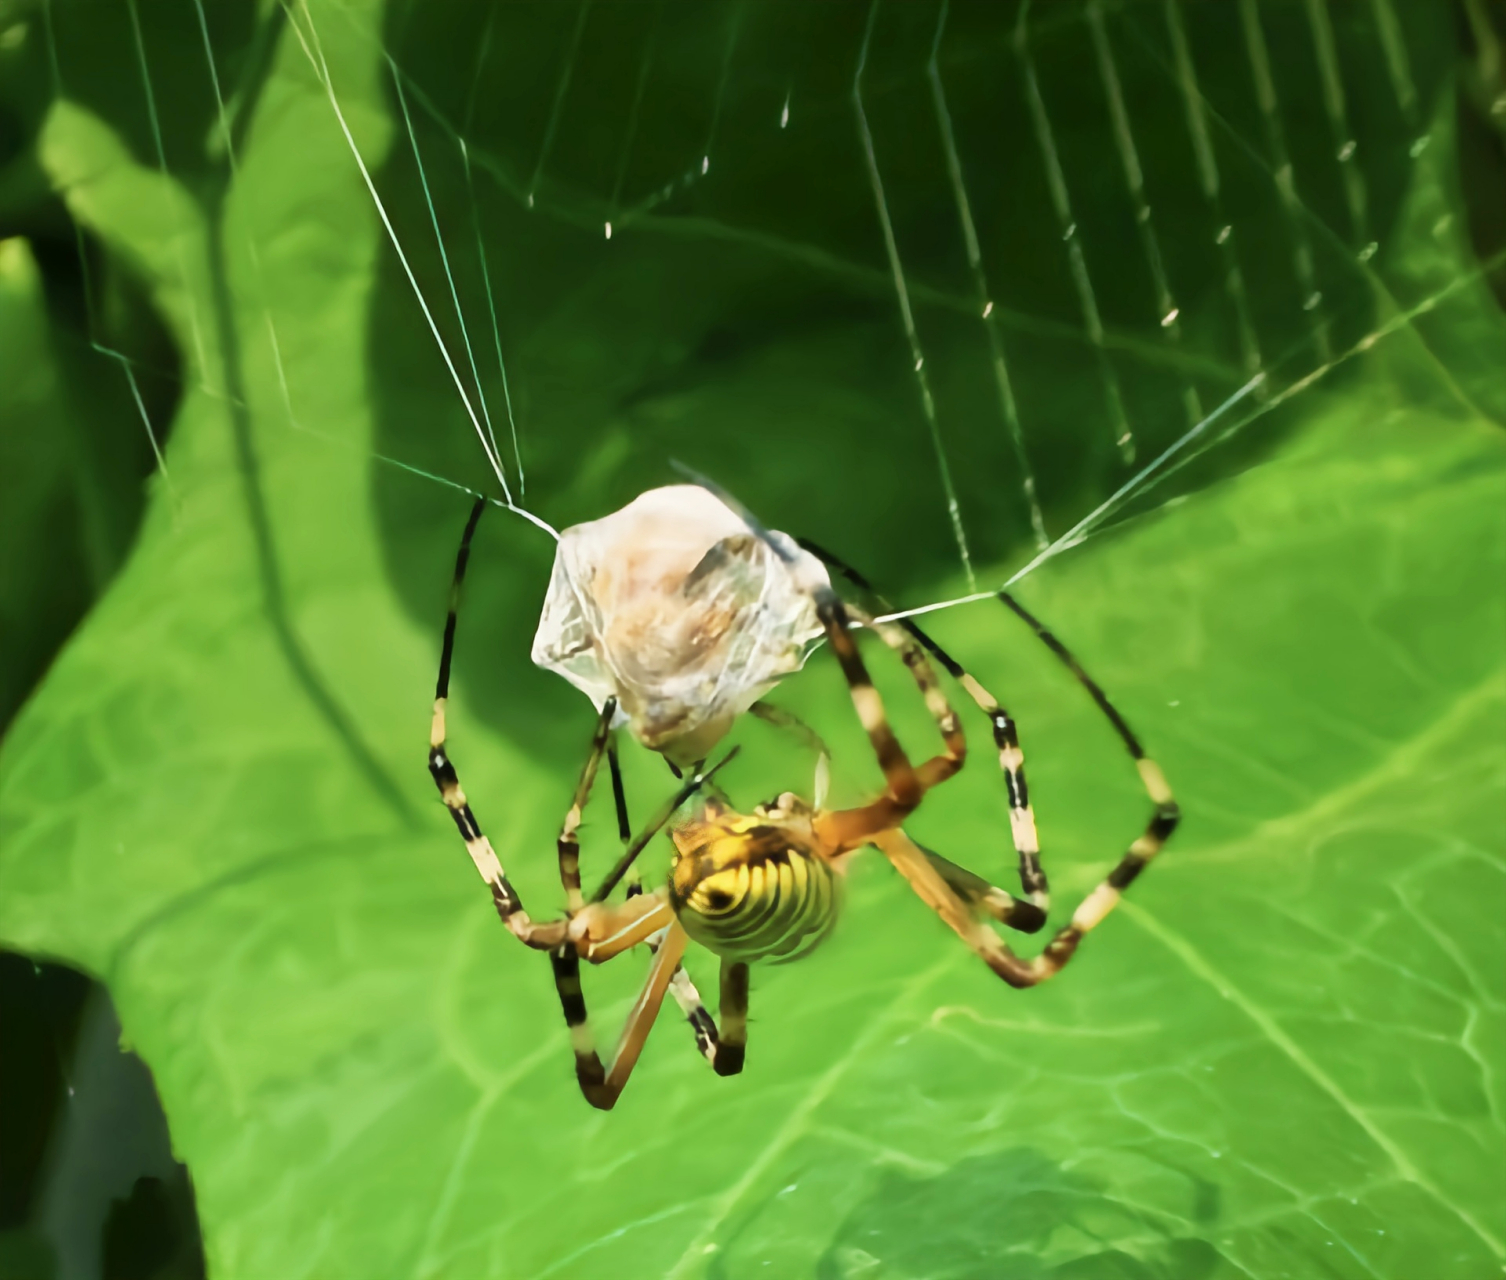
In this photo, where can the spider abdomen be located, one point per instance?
(755, 903)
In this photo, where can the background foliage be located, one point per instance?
(1284, 1056)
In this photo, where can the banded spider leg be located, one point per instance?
(956, 894)
(592, 929)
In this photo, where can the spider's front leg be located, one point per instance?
(904, 784)
(844, 830)
(1004, 907)
(599, 926)
(541, 935)
(936, 881)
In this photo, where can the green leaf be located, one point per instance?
(1284, 1054)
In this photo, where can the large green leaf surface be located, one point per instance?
(1285, 1055)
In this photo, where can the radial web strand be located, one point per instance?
(928, 404)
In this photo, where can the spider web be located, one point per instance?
(1175, 355)
(1180, 216)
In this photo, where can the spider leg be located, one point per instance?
(599, 932)
(602, 1086)
(728, 1059)
(904, 785)
(1167, 814)
(681, 987)
(624, 825)
(724, 1050)
(1022, 827)
(701, 777)
(1163, 821)
(943, 766)
(907, 856)
(569, 838)
(846, 829)
(931, 884)
(986, 899)
(543, 935)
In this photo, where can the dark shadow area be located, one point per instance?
(680, 269)
(1482, 131)
(77, 462)
(1012, 1215)
(88, 1184)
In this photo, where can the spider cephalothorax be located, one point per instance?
(676, 614)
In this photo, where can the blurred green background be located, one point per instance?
(1217, 285)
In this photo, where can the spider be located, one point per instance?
(676, 614)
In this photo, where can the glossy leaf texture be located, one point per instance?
(1284, 1055)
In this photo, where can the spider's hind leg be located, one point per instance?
(948, 893)
(986, 899)
(726, 1048)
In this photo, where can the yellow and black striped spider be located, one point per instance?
(676, 614)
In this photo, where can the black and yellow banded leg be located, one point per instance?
(933, 884)
(954, 742)
(845, 829)
(1165, 813)
(568, 844)
(1163, 821)
(681, 987)
(986, 899)
(540, 934)
(731, 1049)
(606, 931)
(724, 1049)
(603, 1085)
(1150, 772)
(505, 898)
(1022, 828)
